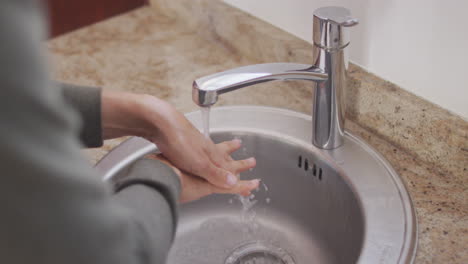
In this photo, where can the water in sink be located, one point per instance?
(235, 243)
(309, 219)
(247, 202)
(255, 250)
(301, 225)
(319, 212)
(247, 214)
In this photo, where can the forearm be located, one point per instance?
(108, 114)
(55, 209)
(125, 114)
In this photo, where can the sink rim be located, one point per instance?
(372, 251)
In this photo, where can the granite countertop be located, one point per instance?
(149, 51)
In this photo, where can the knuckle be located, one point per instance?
(203, 166)
(232, 144)
(244, 163)
(227, 157)
(214, 172)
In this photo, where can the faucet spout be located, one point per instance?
(206, 89)
(328, 72)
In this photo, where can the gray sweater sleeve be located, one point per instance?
(87, 102)
(54, 208)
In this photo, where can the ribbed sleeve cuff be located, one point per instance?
(87, 101)
(156, 175)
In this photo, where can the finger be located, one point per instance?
(220, 153)
(217, 176)
(159, 157)
(239, 166)
(153, 156)
(230, 146)
(243, 188)
(194, 188)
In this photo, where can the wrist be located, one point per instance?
(157, 114)
(124, 114)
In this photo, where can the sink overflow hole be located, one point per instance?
(303, 161)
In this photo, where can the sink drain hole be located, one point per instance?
(259, 253)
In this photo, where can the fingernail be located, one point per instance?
(231, 179)
(252, 160)
(237, 140)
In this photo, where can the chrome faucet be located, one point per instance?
(328, 74)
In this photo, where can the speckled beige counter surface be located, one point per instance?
(161, 49)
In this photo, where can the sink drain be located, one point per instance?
(259, 253)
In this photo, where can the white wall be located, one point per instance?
(421, 45)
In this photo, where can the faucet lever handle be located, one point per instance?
(350, 22)
(328, 27)
(337, 15)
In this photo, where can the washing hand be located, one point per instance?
(194, 188)
(180, 142)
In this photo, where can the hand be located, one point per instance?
(186, 148)
(194, 188)
(181, 143)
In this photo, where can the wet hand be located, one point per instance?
(187, 149)
(194, 187)
(127, 114)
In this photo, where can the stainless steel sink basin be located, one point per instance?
(345, 205)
